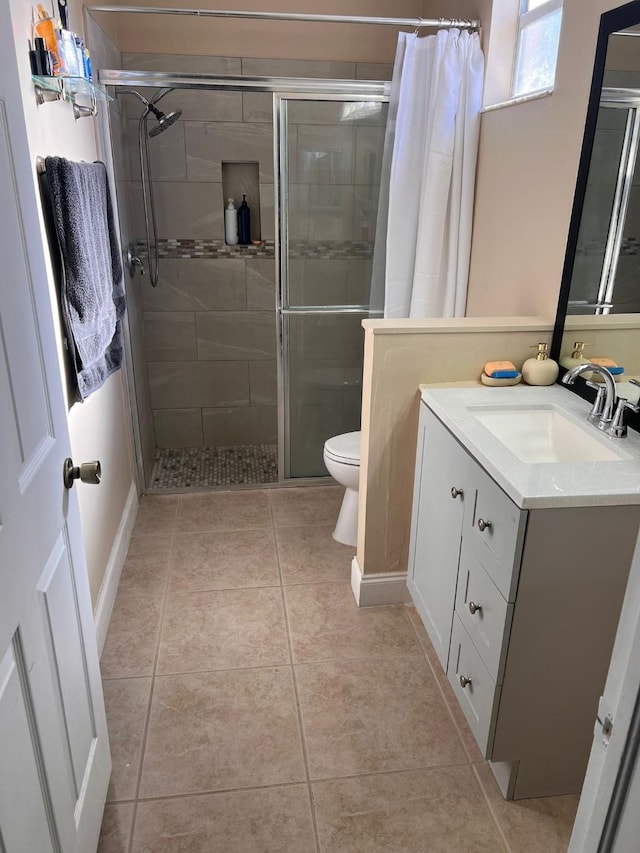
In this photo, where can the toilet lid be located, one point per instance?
(345, 447)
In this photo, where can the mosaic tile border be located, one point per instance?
(189, 248)
(217, 249)
(628, 246)
(205, 467)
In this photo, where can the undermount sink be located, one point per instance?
(544, 435)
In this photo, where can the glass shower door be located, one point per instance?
(330, 156)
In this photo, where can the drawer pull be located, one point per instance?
(474, 608)
(456, 493)
(464, 681)
(484, 525)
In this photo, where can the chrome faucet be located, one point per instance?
(602, 412)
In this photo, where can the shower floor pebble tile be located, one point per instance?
(252, 708)
(206, 467)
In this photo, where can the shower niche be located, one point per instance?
(240, 180)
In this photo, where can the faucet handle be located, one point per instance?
(618, 428)
(597, 410)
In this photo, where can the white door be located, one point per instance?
(608, 819)
(54, 753)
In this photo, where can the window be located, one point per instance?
(536, 46)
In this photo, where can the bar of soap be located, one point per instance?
(604, 362)
(500, 370)
(496, 382)
(613, 368)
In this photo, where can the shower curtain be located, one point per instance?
(423, 233)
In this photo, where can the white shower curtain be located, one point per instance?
(423, 235)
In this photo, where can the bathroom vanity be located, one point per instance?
(525, 519)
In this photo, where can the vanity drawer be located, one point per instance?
(484, 612)
(496, 533)
(479, 698)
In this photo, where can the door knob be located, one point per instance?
(456, 493)
(88, 472)
(464, 681)
(474, 608)
(484, 525)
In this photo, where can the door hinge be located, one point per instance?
(604, 722)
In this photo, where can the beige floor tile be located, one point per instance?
(210, 511)
(530, 826)
(145, 569)
(242, 558)
(439, 811)
(130, 645)
(327, 624)
(269, 820)
(220, 730)
(468, 740)
(126, 702)
(156, 514)
(116, 828)
(296, 507)
(374, 715)
(225, 629)
(311, 555)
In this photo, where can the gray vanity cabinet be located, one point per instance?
(521, 606)
(442, 492)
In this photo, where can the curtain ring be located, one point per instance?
(416, 32)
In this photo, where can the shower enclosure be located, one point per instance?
(606, 263)
(247, 358)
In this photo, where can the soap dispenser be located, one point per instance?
(540, 370)
(577, 357)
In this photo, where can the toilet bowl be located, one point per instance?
(342, 459)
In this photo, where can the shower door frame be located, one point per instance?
(281, 88)
(283, 306)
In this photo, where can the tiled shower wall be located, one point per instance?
(596, 213)
(210, 325)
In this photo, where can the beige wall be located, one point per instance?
(527, 168)
(285, 40)
(99, 428)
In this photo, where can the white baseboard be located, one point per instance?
(111, 579)
(374, 590)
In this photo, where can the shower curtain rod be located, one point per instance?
(416, 23)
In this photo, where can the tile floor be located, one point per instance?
(253, 708)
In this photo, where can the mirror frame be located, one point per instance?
(610, 22)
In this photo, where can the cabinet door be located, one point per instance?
(441, 493)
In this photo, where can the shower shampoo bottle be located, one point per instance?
(244, 222)
(230, 224)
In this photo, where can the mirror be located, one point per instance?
(599, 302)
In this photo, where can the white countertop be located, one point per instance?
(539, 485)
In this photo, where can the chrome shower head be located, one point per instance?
(164, 121)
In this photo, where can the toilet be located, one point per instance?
(342, 459)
